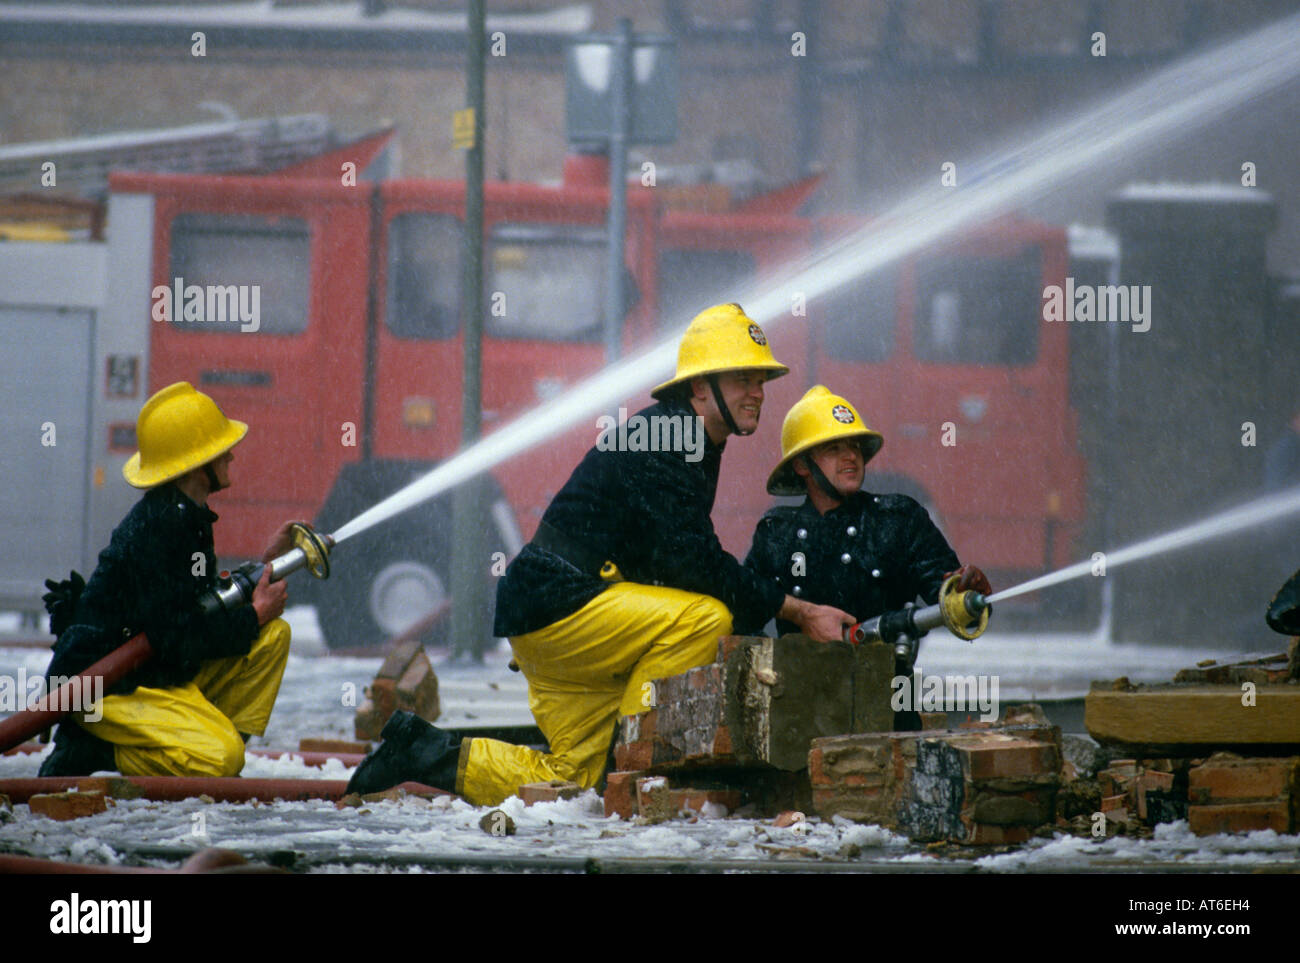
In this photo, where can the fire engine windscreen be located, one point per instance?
(1165, 107)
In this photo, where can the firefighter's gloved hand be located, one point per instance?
(282, 541)
(971, 577)
(61, 601)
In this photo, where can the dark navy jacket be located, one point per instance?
(868, 555)
(648, 513)
(146, 581)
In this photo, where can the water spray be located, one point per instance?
(966, 614)
(1216, 526)
(1171, 103)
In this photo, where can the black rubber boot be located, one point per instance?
(1284, 611)
(77, 753)
(412, 750)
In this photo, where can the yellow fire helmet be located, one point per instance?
(721, 338)
(179, 429)
(816, 418)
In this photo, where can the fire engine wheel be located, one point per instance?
(390, 577)
(400, 591)
(402, 585)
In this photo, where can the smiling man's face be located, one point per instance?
(840, 461)
(742, 392)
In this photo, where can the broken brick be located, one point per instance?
(1240, 817)
(405, 681)
(398, 659)
(1150, 781)
(997, 756)
(417, 689)
(68, 805)
(1223, 778)
(658, 801)
(620, 793)
(921, 782)
(556, 789)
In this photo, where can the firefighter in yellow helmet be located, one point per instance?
(863, 552)
(213, 678)
(624, 582)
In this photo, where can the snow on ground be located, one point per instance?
(446, 832)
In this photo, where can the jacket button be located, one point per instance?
(846, 558)
(875, 573)
(876, 499)
(802, 533)
(796, 591)
(851, 531)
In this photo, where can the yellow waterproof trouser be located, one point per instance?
(195, 729)
(586, 670)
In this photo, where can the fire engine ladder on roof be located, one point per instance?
(82, 164)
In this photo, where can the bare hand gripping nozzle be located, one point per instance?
(966, 615)
(311, 551)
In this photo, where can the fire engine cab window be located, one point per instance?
(238, 273)
(978, 310)
(424, 276)
(545, 282)
(691, 280)
(858, 319)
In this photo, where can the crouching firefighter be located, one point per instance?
(214, 676)
(865, 553)
(625, 582)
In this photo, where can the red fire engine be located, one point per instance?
(352, 379)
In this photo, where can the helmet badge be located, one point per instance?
(756, 334)
(843, 414)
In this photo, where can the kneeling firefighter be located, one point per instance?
(625, 582)
(862, 552)
(214, 676)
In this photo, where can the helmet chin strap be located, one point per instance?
(820, 478)
(722, 407)
(214, 484)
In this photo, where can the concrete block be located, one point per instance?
(760, 704)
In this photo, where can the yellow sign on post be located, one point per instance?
(462, 129)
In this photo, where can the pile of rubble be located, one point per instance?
(778, 725)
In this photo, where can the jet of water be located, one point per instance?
(1168, 105)
(1216, 526)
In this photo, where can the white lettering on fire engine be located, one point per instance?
(212, 304)
(683, 433)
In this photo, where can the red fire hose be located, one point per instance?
(26, 723)
(230, 789)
